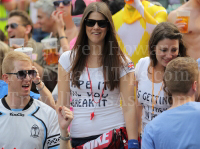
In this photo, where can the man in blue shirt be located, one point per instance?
(178, 127)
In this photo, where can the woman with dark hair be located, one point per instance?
(97, 74)
(165, 44)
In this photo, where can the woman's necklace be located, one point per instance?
(92, 114)
(154, 101)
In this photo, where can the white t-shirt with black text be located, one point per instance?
(108, 113)
(144, 93)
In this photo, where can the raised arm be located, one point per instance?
(45, 94)
(58, 17)
(65, 117)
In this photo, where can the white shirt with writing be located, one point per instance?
(108, 113)
(144, 93)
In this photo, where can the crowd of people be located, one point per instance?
(124, 77)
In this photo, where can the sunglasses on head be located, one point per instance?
(12, 25)
(91, 23)
(23, 73)
(64, 2)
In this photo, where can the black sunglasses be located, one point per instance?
(64, 2)
(23, 73)
(91, 23)
(12, 25)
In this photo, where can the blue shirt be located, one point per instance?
(4, 91)
(177, 128)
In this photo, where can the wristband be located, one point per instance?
(62, 37)
(133, 144)
(38, 83)
(65, 138)
(40, 88)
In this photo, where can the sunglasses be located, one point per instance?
(64, 2)
(101, 23)
(23, 73)
(12, 25)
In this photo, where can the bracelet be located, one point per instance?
(62, 37)
(40, 88)
(65, 138)
(38, 83)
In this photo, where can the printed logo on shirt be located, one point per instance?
(35, 131)
(18, 114)
(131, 66)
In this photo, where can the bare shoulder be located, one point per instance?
(172, 16)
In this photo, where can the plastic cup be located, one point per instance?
(50, 49)
(129, 1)
(17, 41)
(185, 16)
(28, 51)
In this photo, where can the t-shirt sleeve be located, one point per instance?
(147, 139)
(53, 134)
(65, 61)
(127, 67)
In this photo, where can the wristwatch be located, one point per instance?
(65, 138)
(41, 87)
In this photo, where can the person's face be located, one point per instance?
(18, 32)
(64, 7)
(166, 50)
(96, 34)
(44, 21)
(21, 87)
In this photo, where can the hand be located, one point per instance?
(37, 78)
(180, 24)
(58, 18)
(14, 46)
(65, 117)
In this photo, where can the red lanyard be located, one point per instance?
(154, 101)
(92, 114)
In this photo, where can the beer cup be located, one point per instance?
(17, 41)
(185, 16)
(27, 50)
(50, 49)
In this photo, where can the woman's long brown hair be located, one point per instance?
(112, 58)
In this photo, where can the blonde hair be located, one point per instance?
(3, 50)
(11, 57)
